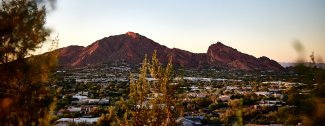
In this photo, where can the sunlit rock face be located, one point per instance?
(132, 47)
(237, 60)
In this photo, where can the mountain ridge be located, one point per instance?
(132, 47)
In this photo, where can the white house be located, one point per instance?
(79, 120)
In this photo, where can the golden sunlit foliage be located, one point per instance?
(150, 102)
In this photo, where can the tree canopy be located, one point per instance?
(25, 97)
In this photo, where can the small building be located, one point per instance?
(79, 120)
(224, 97)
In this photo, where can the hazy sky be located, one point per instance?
(257, 27)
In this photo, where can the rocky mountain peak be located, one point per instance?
(132, 34)
(219, 44)
(221, 47)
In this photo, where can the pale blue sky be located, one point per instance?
(256, 27)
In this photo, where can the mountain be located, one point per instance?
(132, 47)
(232, 58)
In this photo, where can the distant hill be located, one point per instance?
(131, 48)
(320, 65)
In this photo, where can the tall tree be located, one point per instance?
(25, 97)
